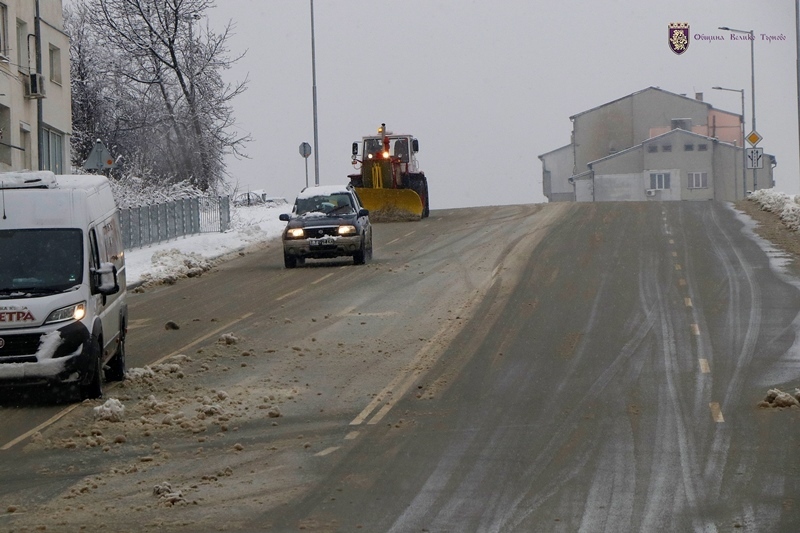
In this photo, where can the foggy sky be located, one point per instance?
(486, 87)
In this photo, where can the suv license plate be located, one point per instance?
(326, 241)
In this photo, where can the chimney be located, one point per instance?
(698, 97)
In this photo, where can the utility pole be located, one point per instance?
(37, 30)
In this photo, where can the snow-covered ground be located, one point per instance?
(188, 255)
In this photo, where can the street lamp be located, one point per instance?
(752, 82)
(314, 94)
(744, 178)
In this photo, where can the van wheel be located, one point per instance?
(289, 261)
(115, 371)
(93, 389)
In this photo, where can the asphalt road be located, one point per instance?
(592, 367)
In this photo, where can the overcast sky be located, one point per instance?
(485, 86)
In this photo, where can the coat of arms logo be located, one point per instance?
(678, 37)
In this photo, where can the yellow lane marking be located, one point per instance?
(688, 302)
(326, 276)
(60, 414)
(716, 412)
(352, 435)
(326, 451)
(677, 266)
(704, 366)
(695, 329)
(279, 298)
(398, 386)
(40, 427)
(682, 282)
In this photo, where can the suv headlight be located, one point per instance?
(347, 230)
(71, 312)
(295, 233)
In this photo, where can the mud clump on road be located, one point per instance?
(777, 398)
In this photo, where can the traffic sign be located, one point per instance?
(305, 149)
(755, 158)
(754, 138)
(99, 158)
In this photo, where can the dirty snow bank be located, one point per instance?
(786, 206)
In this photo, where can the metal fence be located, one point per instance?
(151, 224)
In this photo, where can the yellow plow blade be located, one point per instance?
(391, 205)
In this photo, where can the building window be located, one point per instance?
(659, 180)
(698, 180)
(55, 64)
(688, 148)
(53, 151)
(666, 148)
(652, 148)
(702, 147)
(4, 30)
(5, 135)
(22, 46)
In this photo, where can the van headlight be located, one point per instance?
(71, 312)
(295, 233)
(347, 230)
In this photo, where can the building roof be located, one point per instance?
(640, 92)
(663, 135)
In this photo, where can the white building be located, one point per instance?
(35, 97)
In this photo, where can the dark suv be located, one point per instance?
(327, 221)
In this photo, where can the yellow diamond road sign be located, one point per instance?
(754, 138)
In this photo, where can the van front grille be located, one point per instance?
(18, 345)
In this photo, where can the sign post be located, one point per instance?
(305, 151)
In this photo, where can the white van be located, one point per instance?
(63, 306)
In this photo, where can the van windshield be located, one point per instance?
(40, 261)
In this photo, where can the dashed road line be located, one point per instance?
(326, 451)
(688, 302)
(695, 330)
(716, 412)
(705, 368)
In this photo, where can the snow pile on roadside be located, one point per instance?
(782, 204)
(193, 255)
(112, 410)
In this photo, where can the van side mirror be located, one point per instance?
(284, 217)
(355, 148)
(104, 279)
(415, 145)
(363, 212)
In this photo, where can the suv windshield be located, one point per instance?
(40, 261)
(334, 204)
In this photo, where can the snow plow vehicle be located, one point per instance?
(390, 184)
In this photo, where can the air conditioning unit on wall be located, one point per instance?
(650, 192)
(35, 86)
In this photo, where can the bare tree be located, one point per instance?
(157, 90)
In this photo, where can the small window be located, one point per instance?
(652, 148)
(702, 147)
(55, 64)
(659, 180)
(666, 148)
(688, 148)
(22, 46)
(3, 30)
(698, 180)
